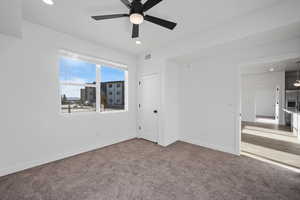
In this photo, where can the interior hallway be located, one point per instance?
(273, 142)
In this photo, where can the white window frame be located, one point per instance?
(99, 63)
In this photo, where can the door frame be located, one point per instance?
(277, 104)
(238, 126)
(159, 123)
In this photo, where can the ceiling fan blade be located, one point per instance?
(135, 31)
(161, 22)
(101, 17)
(126, 3)
(150, 3)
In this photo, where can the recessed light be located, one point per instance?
(138, 42)
(271, 69)
(49, 2)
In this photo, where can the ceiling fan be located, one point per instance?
(137, 16)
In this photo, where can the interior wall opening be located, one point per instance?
(270, 111)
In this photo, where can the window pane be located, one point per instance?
(78, 99)
(77, 71)
(112, 89)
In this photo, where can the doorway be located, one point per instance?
(148, 107)
(270, 105)
(267, 105)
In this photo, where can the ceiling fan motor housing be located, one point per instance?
(137, 7)
(137, 17)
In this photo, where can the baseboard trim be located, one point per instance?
(211, 146)
(169, 143)
(36, 163)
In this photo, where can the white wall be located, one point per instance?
(209, 90)
(258, 95)
(195, 107)
(170, 102)
(32, 129)
(208, 99)
(265, 100)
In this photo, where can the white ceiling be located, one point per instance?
(193, 16)
(247, 47)
(284, 65)
(11, 10)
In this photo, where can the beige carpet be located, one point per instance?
(140, 170)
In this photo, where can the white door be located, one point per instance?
(149, 101)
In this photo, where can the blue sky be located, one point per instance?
(78, 71)
(111, 74)
(83, 72)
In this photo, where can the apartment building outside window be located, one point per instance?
(88, 85)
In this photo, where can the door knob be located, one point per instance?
(155, 111)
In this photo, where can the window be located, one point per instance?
(82, 91)
(113, 80)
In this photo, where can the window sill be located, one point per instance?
(92, 113)
(114, 111)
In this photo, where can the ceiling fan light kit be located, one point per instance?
(136, 15)
(136, 18)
